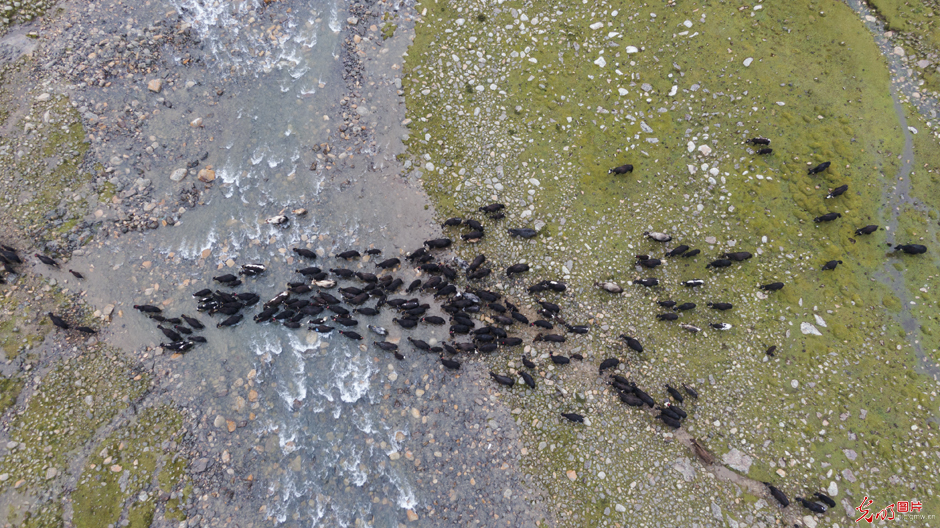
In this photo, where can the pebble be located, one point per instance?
(794, 383)
(206, 175)
(572, 475)
(748, 61)
(178, 174)
(156, 85)
(737, 460)
(201, 464)
(809, 329)
(51, 473)
(809, 521)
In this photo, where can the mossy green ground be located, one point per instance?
(517, 111)
(24, 325)
(76, 397)
(129, 470)
(50, 146)
(9, 390)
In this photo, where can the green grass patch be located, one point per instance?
(816, 85)
(9, 391)
(124, 467)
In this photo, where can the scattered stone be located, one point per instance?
(155, 86)
(201, 464)
(737, 460)
(178, 175)
(716, 511)
(684, 467)
(572, 475)
(206, 175)
(809, 329)
(748, 61)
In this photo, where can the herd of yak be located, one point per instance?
(306, 301)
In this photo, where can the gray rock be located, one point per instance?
(809, 329)
(737, 460)
(201, 464)
(178, 175)
(684, 467)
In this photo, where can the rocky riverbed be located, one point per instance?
(144, 145)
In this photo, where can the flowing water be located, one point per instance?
(320, 397)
